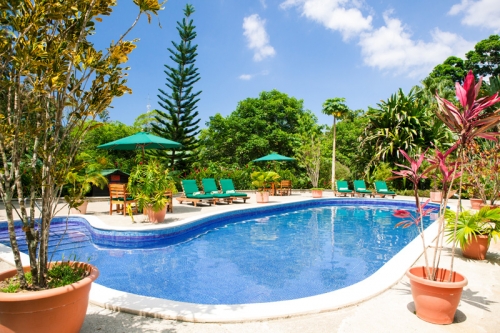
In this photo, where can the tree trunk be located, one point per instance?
(333, 156)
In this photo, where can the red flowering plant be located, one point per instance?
(413, 173)
(468, 121)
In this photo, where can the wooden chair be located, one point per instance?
(118, 196)
(285, 187)
(170, 204)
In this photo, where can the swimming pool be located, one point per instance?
(276, 253)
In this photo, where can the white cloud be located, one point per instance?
(481, 13)
(391, 48)
(247, 77)
(257, 37)
(263, 3)
(344, 16)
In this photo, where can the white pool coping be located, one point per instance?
(383, 279)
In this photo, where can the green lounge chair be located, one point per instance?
(343, 189)
(193, 194)
(382, 190)
(227, 186)
(210, 187)
(360, 188)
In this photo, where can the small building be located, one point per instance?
(113, 176)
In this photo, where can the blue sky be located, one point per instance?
(309, 49)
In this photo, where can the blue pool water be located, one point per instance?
(260, 255)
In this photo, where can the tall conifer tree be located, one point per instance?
(179, 121)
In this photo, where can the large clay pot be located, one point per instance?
(436, 196)
(475, 203)
(436, 301)
(317, 193)
(60, 309)
(262, 196)
(476, 247)
(82, 209)
(156, 217)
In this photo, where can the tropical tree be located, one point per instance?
(453, 69)
(101, 133)
(308, 152)
(180, 120)
(348, 144)
(257, 127)
(484, 60)
(54, 80)
(402, 122)
(335, 107)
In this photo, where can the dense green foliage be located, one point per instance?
(453, 69)
(107, 132)
(258, 126)
(401, 122)
(348, 150)
(179, 121)
(484, 60)
(367, 143)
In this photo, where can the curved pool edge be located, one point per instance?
(387, 276)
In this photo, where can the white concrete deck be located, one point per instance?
(390, 311)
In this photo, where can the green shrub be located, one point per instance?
(59, 275)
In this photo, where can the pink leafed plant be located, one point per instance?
(468, 121)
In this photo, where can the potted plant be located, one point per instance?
(436, 291)
(435, 193)
(317, 192)
(85, 173)
(262, 179)
(148, 183)
(474, 230)
(54, 83)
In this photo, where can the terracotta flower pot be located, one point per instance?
(156, 217)
(436, 301)
(60, 309)
(476, 248)
(262, 197)
(436, 196)
(82, 209)
(317, 193)
(475, 203)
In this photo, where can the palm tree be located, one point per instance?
(402, 122)
(335, 107)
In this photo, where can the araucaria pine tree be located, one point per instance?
(179, 120)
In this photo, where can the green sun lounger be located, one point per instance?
(210, 187)
(193, 194)
(360, 188)
(343, 189)
(382, 190)
(227, 186)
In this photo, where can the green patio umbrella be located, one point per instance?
(274, 157)
(141, 140)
